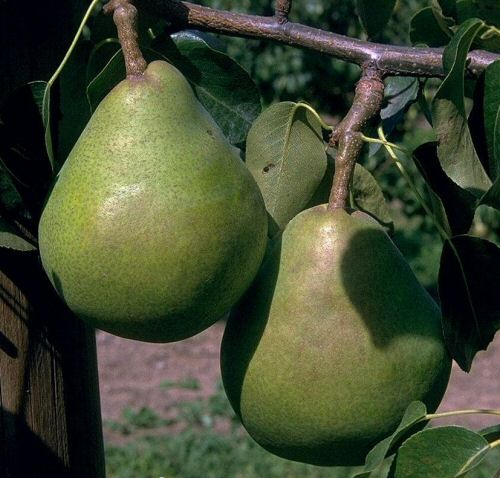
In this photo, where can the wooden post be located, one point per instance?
(50, 423)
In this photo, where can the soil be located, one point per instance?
(131, 374)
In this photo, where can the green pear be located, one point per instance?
(332, 342)
(154, 227)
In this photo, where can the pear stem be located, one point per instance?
(125, 18)
(348, 135)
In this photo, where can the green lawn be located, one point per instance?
(201, 450)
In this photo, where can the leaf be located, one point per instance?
(414, 414)
(10, 238)
(456, 151)
(468, 288)
(399, 93)
(491, 107)
(448, 7)
(492, 196)
(222, 85)
(444, 452)
(25, 167)
(100, 56)
(425, 30)
(445, 12)
(46, 106)
(491, 434)
(374, 14)
(458, 204)
(286, 156)
(106, 80)
(488, 37)
(368, 197)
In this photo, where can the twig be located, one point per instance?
(282, 9)
(390, 59)
(125, 18)
(348, 134)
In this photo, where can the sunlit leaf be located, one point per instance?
(444, 452)
(456, 151)
(11, 238)
(413, 415)
(286, 156)
(368, 197)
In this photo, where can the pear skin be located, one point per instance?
(154, 227)
(332, 342)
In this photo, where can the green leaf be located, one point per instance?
(112, 73)
(444, 452)
(25, 167)
(491, 433)
(469, 275)
(488, 37)
(399, 93)
(448, 7)
(414, 415)
(458, 204)
(222, 85)
(368, 197)
(11, 238)
(286, 156)
(445, 12)
(46, 106)
(374, 14)
(492, 196)
(425, 30)
(456, 151)
(491, 108)
(100, 56)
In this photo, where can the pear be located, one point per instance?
(332, 342)
(154, 227)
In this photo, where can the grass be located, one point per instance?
(202, 450)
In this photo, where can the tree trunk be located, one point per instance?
(50, 423)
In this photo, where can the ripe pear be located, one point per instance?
(332, 342)
(154, 227)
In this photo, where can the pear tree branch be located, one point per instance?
(348, 136)
(125, 18)
(392, 60)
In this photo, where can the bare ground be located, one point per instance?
(131, 374)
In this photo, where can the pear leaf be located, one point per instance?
(99, 57)
(491, 111)
(469, 275)
(374, 14)
(11, 238)
(445, 12)
(458, 204)
(456, 151)
(368, 197)
(414, 414)
(25, 170)
(447, 452)
(286, 155)
(112, 73)
(425, 30)
(399, 93)
(46, 103)
(491, 433)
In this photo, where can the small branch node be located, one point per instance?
(282, 9)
